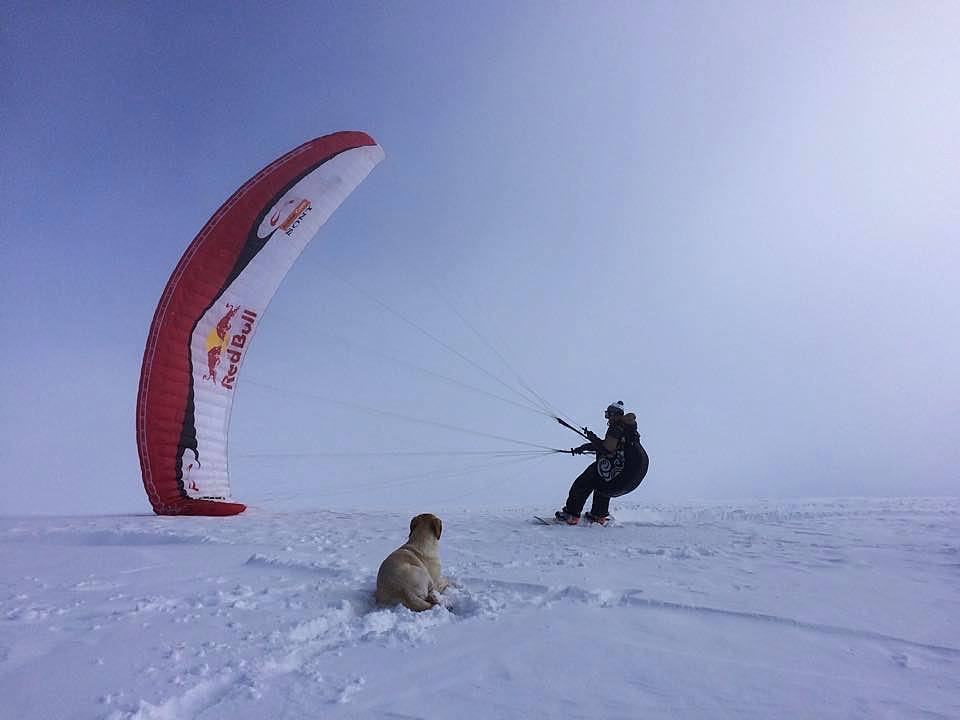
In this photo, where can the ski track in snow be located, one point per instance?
(145, 618)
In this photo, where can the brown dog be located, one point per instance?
(411, 573)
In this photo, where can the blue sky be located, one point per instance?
(740, 218)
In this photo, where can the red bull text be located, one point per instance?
(222, 345)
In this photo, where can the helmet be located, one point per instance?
(614, 410)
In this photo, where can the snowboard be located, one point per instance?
(553, 521)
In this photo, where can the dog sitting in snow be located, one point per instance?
(411, 573)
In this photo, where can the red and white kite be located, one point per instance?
(210, 309)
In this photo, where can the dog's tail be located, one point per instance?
(417, 604)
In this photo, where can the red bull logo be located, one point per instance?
(222, 344)
(217, 343)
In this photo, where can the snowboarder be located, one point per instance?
(620, 467)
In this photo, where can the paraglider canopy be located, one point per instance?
(210, 309)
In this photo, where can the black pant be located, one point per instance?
(587, 482)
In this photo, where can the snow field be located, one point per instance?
(811, 609)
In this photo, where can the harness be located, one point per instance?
(629, 456)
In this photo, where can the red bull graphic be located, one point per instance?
(237, 344)
(224, 345)
(217, 343)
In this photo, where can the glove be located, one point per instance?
(593, 437)
(576, 451)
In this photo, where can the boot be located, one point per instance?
(564, 516)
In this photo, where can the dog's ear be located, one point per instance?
(437, 525)
(414, 521)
